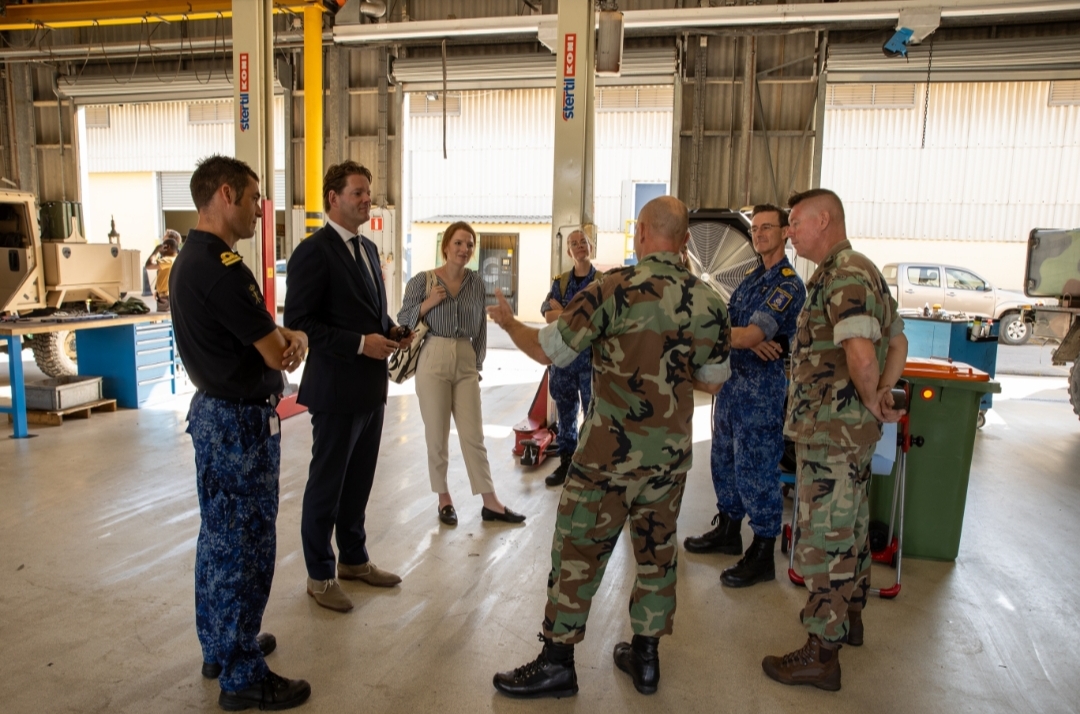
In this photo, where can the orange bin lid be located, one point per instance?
(937, 368)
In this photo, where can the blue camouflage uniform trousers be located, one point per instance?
(571, 387)
(748, 441)
(748, 421)
(237, 464)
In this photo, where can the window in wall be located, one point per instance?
(871, 96)
(431, 104)
(97, 117)
(626, 99)
(210, 112)
(1065, 93)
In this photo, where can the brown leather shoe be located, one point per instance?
(816, 663)
(368, 573)
(855, 629)
(328, 594)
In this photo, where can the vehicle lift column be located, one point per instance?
(253, 102)
(572, 191)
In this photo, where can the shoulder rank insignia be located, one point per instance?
(779, 300)
(787, 272)
(229, 258)
(752, 269)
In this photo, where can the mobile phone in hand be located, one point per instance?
(899, 399)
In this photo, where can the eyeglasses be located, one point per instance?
(763, 227)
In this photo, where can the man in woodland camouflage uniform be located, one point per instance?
(849, 351)
(655, 333)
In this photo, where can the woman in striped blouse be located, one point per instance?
(448, 374)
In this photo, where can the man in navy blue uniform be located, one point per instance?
(234, 354)
(748, 419)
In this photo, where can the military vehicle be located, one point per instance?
(51, 270)
(1053, 271)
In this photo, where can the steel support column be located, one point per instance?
(313, 120)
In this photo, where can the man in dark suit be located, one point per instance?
(336, 295)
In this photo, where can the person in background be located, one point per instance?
(448, 373)
(571, 387)
(848, 353)
(234, 354)
(161, 262)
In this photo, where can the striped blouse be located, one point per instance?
(454, 317)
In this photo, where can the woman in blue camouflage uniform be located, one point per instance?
(571, 386)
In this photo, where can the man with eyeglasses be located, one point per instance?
(748, 419)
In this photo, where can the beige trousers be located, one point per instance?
(447, 384)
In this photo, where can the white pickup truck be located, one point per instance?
(915, 285)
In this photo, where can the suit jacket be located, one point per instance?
(326, 297)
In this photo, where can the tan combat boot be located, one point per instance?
(817, 663)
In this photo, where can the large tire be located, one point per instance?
(1074, 387)
(1014, 331)
(53, 353)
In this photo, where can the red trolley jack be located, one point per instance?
(535, 436)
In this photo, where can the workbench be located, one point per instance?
(116, 329)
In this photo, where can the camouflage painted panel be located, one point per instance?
(650, 327)
(823, 404)
(1053, 268)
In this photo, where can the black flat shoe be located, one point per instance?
(448, 515)
(507, 515)
(267, 644)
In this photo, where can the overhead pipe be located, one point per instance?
(128, 50)
(703, 18)
(95, 13)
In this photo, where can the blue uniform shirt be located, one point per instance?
(770, 299)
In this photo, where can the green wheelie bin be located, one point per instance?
(942, 415)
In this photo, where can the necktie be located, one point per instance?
(369, 279)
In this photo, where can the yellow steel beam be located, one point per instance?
(87, 13)
(313, 121)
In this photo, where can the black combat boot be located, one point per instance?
(556, 477)
(552, 674)
(640, 659)
(755, 567)
(725, 538)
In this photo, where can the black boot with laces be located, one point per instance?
(552, 674)
(558, 476)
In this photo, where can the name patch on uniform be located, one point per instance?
(229, 258)
(787, 272)
(779, 300)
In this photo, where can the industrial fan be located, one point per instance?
(721, 252)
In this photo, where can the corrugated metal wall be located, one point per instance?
(997, 162)
(500, 153)
(159, 137)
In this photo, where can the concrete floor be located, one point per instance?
(98, 522)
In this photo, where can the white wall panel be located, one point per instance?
(500, 157)
(158, 137)
(998, 161)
